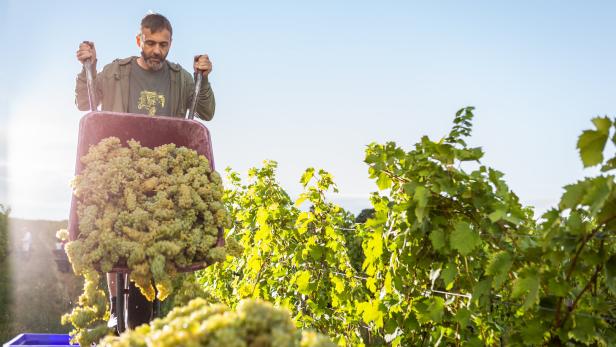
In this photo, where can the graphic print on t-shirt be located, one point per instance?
(149, 92)
(149, 101)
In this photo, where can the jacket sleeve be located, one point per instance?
(81, 90)
(206, 104)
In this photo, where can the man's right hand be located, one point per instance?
(86, 51)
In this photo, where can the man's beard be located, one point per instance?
(153, 61)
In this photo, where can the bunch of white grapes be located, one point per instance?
(152, 210)
(254, 323)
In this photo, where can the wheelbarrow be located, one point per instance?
(150, 132)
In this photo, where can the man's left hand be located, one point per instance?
(203, 64)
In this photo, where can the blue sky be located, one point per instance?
(312, 83)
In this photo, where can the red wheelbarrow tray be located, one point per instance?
(150, 132)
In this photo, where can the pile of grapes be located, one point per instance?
(152, 210)
(252, 324)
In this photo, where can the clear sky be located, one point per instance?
(312, 83)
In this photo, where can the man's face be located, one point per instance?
(154, 47)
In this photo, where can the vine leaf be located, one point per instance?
(421, 197)
(449, 274)
(303, 282)
(499, 266)
(574, 193)
(307, 176)
(584, 329)
(383, 182)
(437, 237)
(371, 312)
(464, 239)
(592, 142)
(527, 284)
(431, 309)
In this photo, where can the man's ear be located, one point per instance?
(138, 37)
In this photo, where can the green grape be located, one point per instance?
(149, 209)
(217, 254)
(254, 323)
(62, 234)
(88, 319)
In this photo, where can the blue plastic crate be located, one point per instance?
(40, 340)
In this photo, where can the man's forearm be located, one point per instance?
(206, 104)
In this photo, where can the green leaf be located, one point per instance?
(383, 182)
(474, 342)
(300, 200)
(372, 313)
(610, 274)
(431, 310)
(499, 266)
(409, 188)
(597, 194)
(609, 165)
(497, 215)
(338, 284)
(527, 285)
(421, 197)
(437, 237)
(498, 263)
(481, 290)
(575, 224)
(387, 284)
(463, 316)
(574, 193)
(302, 222)
(302, 280)
(533, 333)
(307, 176)
(584, 328)
(469, 154)
(449, 275)
(558, 287)
(592, 142)
(464, 239)
(316, 252)
(602, 124)
(411, 323)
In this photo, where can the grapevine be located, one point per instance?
(294, 258)
(448, 255)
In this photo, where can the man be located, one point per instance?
(148, 84)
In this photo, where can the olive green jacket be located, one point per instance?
(111, 90)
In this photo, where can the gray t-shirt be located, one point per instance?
(149, 91)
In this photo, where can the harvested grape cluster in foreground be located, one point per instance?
(153, 210)
(253, 324)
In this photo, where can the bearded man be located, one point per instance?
(149, 85)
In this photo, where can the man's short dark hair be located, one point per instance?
(156, 22)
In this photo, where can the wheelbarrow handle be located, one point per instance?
(90, 83)
(87, 65)
(193, 104)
